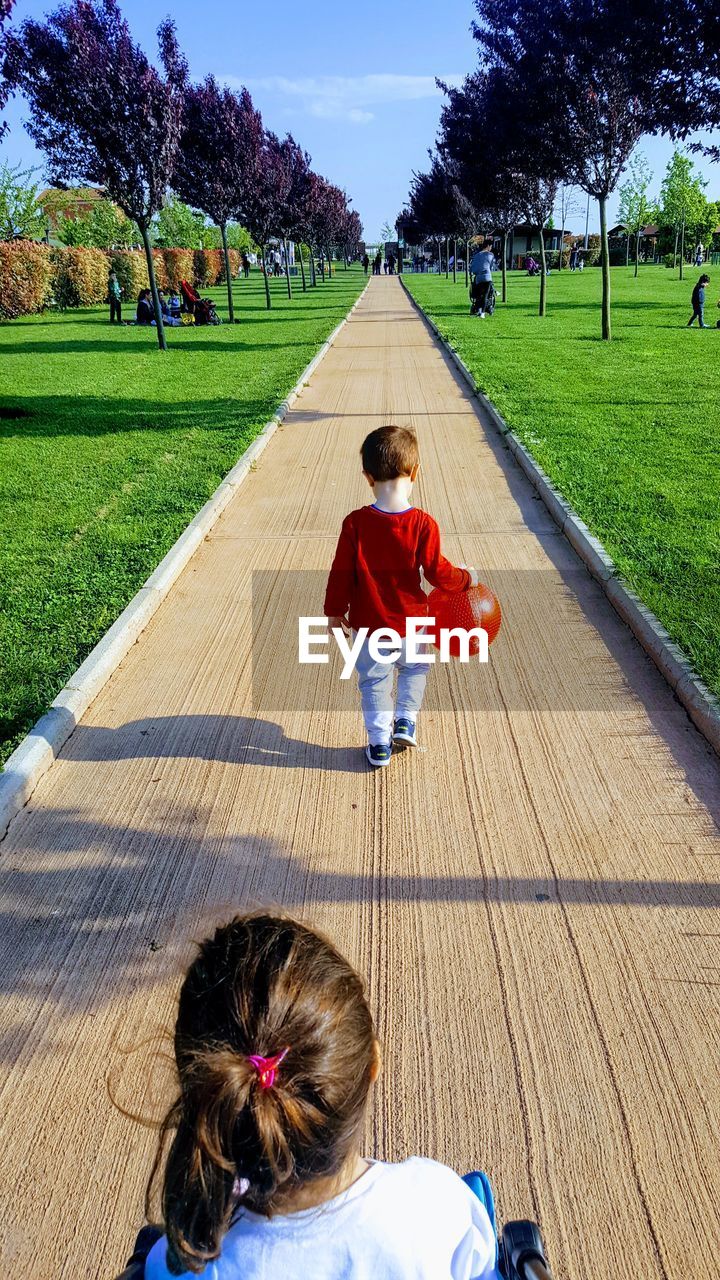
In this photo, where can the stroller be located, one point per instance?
(520, 1250)
(203, 309)
(485, 296)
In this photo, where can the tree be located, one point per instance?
(264, 198)
(540, 196)
(567, 205)
(293, 189)
(21, 217)
(327, 212)
(177, 226)
(635, 210)
(682, 198)
(101, 112)
(579, 89)
(6, 80)
(219, 156)
(103, 226)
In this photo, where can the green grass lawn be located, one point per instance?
(629, 431)
(109, 447)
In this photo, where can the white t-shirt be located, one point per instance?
(412, 1221)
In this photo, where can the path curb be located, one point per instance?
(38, 750)
(700, 702)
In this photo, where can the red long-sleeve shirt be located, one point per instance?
(376, 571)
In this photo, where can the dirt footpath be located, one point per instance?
(533, 897)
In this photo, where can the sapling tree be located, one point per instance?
(218, 157)
(682, 198)
(21, 216)
(101, 112)
(635, 209)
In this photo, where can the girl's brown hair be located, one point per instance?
(261, 985)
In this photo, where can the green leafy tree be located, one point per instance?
(21, 217)
(635, 209)
(177, 226)
(682, 199)
(104, 226)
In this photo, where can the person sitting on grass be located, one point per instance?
(276, 1057)
(167, 315)
(145, 313)
(698, 302)
(375, 582)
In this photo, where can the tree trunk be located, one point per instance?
(329, 264)
(345, 259)
(677, 233)
(637, 254)
(467, 264)
(228, 277)
(504, 265)
(605, 265)
(627, 248)
(313, 276)
(454, 260)
(682, 249)
(562, 245)
(543, 276)
(447, 258)
(302, 267)
(268, 302)
(287, 268)
(162, 342)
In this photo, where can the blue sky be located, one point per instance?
(355, 87)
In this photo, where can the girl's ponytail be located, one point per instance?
(275, 1050)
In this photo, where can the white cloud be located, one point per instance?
(348, 97)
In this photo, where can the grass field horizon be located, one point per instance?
(627, 430)
(110, 447)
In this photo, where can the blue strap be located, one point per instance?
(479, 1184)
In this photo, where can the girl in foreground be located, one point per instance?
(276, 1054)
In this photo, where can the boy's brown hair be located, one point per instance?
(389, 452)
(265, 985)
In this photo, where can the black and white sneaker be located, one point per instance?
(404, 731)
(379, 754)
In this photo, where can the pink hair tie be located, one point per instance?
(267, 1067)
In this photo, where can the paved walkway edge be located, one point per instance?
(37, 751)
(700, 702)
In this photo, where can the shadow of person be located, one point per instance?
(240, 740)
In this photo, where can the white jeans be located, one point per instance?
(375, 682)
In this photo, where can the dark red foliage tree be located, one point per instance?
(579, 91)
(264, 201)
(294, 190)
(349, 234)
(101, 112)
(218, 157)
(5, 76)
(325, 217)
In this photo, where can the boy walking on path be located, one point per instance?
(375, 582)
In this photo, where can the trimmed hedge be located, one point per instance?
(25, 278)
(131, 269)
(179, 265)
(32, 274)
(208, 267)
(80, 277)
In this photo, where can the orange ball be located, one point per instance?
(476, 607)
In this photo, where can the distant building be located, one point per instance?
(59, 204)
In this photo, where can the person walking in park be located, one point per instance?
(115, 298)
(365, 264)
(375, 582)
(276, 1056)
(573, 257)
(481, 269)
(391, 263)
(245, 265)
(698, 302)
(699, 256)
(377, 263)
